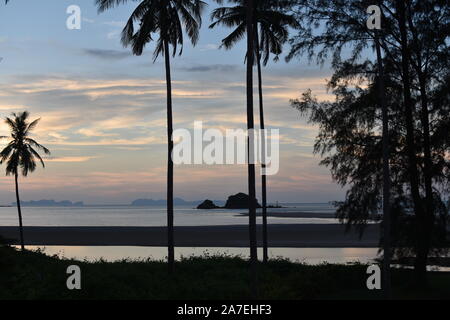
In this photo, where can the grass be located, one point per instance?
(34, 275)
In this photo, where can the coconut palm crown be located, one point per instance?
(21, 152)
(271, 24)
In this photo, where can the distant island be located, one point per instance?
(49, 203)
(207, 204)
(161, 202)
(237, 201)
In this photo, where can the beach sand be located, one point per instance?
(279, 235)
(299, 214)
(294, 215)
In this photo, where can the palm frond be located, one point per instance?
(229, 41)
(37, 155)
(271, 18)
(20, 151)
(103, 5)
(31, 126)
(32, 142)
(164, 19)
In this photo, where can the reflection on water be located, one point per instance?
(153, 216)
(306, 255)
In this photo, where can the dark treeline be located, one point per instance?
(414, 40)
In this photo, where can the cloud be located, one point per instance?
(12, 108)
(118, 24)
(88, 20)
(107, 54)
(208, 47)
(113, 34)
(116, 142)
(92, 132)
(68, 159)
(213, 67)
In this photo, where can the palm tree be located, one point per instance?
(164, 19)
(21, 152)
(270, 26)
(246, 9)
(251, 166)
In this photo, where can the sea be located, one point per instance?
(123, 215)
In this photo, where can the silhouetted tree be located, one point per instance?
(417, 58)
(425, 57)
(271, 30)
(166, 20)
(20, 154)
(250, 147)
(386, 172)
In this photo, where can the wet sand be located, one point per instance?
(321, 215)
(279, 235)
(299, 214)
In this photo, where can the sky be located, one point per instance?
(103, 110)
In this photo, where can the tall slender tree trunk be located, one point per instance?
(19, 211)
(250, 149)
(428, 219)
(170, 228)
(420, 263)
(263, 151)
(386, 175)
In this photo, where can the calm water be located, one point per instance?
(184, 216)
(149, 216)
(306, 255)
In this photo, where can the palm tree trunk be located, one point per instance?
(250, 145)
(170, 228)
(263, 151)
(421, 254)
(16, 176)
(386, 177)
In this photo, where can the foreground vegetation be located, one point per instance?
(34, 275)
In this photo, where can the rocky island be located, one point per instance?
(207, 204)
(237, 201)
